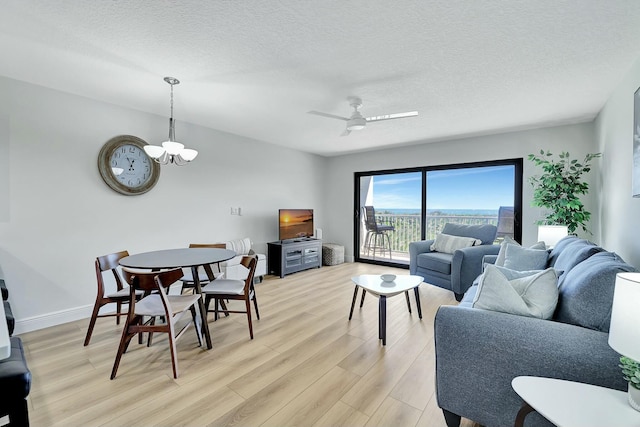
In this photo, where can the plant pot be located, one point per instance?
(634, 397)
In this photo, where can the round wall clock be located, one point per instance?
(125, 167)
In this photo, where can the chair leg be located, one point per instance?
(388, 243)
(92, 323)
(174, 351)
(152, 321)
(248, 306)
(124, 343)
(119, 310)
(255, 304)
(196, 324)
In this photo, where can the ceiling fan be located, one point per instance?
(356, 121)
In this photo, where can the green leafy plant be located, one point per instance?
(630, 371)
(559, 187)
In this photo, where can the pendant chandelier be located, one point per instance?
(171, 151)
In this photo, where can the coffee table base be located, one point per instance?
(382, 309)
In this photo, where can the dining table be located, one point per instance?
(182, 258)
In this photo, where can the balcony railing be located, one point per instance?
(407, 227)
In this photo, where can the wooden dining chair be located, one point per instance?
(157, 305)
(230, 289)
(203, 271)
(121, 296)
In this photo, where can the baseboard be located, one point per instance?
(52, 319)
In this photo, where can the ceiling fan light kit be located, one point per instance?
(357, 121)
(171, 151)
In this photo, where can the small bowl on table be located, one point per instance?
(388, 278)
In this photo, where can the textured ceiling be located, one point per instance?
(255, 67)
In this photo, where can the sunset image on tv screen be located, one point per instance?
(296, 223)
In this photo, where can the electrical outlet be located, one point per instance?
(236, 211)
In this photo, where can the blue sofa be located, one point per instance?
(456, 271)
(479, 352)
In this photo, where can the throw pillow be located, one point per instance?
(523, 259)
(240, 246)
(509, 241)
(449, 244)
(523, 293)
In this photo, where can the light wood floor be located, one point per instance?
(307, 366)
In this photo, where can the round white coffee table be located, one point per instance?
(383, 290)
(569, 403)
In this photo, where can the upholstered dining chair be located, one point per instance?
(157, 304)
(230, 289)
(121, 296)
(187, 279)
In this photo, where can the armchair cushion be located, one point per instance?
(449, 244)
(485, 232)
(435, 261)
(523, 293)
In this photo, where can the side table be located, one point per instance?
(568, 403)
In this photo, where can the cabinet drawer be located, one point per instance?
(311, 251)
(311, 259)
(297, 253)
(293, 262)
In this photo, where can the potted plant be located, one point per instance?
(559, 187)
(631, 373)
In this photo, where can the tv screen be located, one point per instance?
(295, 223)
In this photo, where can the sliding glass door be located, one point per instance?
(396, 207)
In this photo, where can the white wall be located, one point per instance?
(577, 139)
(62, 215)
(619, 212)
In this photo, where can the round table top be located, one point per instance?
(181, 257)
(374, 284)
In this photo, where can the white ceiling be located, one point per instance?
(255, 67)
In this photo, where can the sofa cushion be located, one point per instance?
(449, 244)
(586, 294)
(436, 261)
(559, 248)
(485, 232)
(574, 253)
(523, 293)
(510, 241)
(525, 259)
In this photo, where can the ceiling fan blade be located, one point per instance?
(331, 116)
(345, 133)
(392, 116)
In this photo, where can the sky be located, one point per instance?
(466, 188)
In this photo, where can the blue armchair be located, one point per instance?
(456, 271)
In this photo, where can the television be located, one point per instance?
(295, 223)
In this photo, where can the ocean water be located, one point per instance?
(409, 211)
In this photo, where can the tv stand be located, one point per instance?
(290, 256)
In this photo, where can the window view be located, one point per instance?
(391, 210)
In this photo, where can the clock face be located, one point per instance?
(125, 167)
(131, 165)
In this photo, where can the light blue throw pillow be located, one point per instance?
(523, 293)
(508, 240)
(523, 259)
